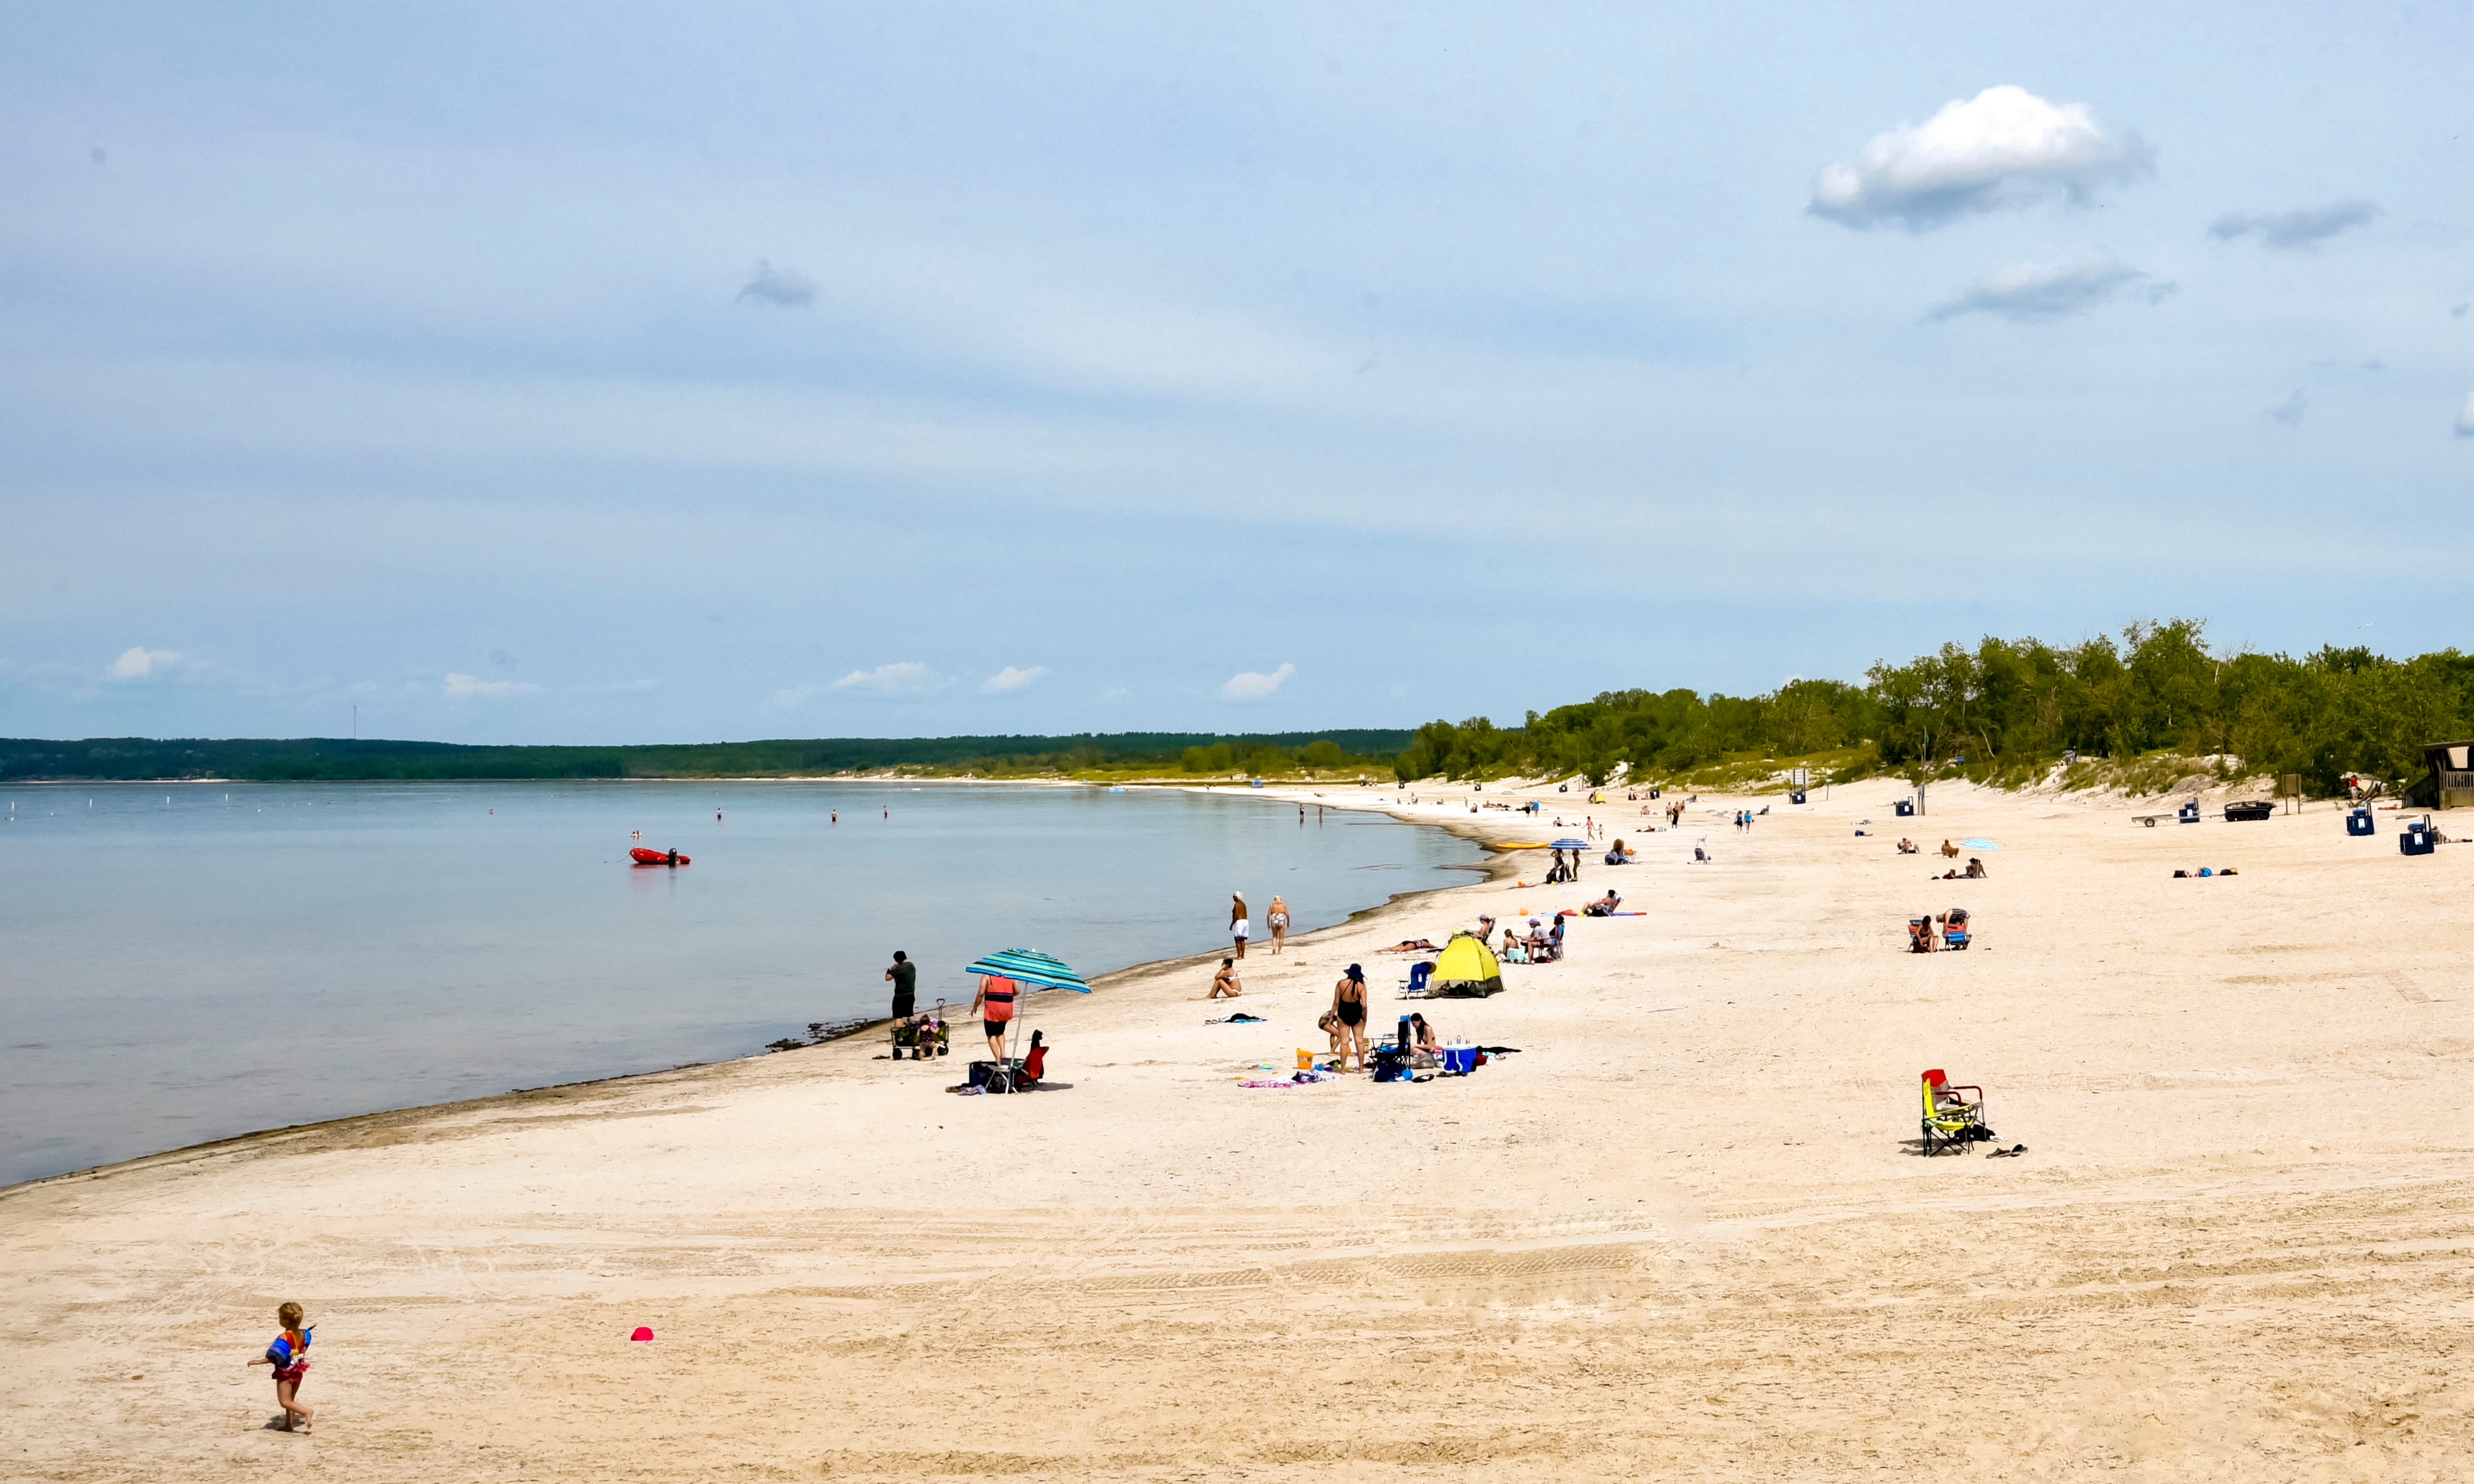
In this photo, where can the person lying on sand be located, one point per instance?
(1411, 945)
(1907, 847)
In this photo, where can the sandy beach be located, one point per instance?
(1685, 1230)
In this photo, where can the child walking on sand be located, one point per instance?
(289, 1355)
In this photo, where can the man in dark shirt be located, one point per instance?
(905, 975)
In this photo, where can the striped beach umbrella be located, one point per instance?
(1025, 966)
(1567, 843)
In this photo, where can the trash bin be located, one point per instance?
(2189, 812)
(2418, 840)
(2359, 822)
(1904, 806)
(1797, 797)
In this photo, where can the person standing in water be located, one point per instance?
(1237, 925)
(1277, 920)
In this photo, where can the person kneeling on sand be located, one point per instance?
(1226, 983)
(1950, 850)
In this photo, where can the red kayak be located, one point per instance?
(645, 857)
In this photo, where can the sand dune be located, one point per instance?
(1685, 1230)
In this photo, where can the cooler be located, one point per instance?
(1462, 1060)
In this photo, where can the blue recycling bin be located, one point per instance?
(1904, 806)
(2189, 812)
(2359, 822)
(1797, 797)
(2418, 840)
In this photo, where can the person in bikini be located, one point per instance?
(1226, 981)
(1277, 920)
(1348, 1007)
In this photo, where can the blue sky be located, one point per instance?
(609, 372)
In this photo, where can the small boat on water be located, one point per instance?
(645, 857)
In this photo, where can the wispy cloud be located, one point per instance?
(2465, 418)
(908, 677)
(141, 663)
(1253, 686)
(779, 286)
(2290, 410)
(791, 696)
(2031, 292)
(1011, 679)
(475, 685)
(2004, 147)
(2291, 230)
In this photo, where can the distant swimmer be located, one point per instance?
(836, 816)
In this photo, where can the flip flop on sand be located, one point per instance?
(2012, 1153)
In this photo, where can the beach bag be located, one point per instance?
(1035, 1065)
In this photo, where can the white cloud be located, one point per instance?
(780, 286)
(2291, 230)
(2026, 292)
(2465, 418)
(1251, 686)
(907, 678)
(1011, 679)
(2290, 410)
(475, 685)
(2004, 147)
(791, 697)
(140, 664)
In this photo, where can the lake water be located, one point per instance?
(183, 962)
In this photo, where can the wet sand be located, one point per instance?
(1687, 1229)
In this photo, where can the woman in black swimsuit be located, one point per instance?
(1349, 1007)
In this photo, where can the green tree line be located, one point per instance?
(341, 760)
(2010, 708)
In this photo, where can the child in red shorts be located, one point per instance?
(289, 1355)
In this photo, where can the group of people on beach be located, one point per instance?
(1241, 928)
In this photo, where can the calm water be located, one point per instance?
(184, 962)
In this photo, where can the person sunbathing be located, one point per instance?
(1605, 906)
(1411, 945)
(1974, 868)
(1907, 847)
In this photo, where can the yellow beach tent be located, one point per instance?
(1466, 969)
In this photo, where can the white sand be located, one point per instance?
(1685, 1230)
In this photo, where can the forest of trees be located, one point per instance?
(339, 760)
(2010, 708)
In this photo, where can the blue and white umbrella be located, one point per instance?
(1025, 966)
